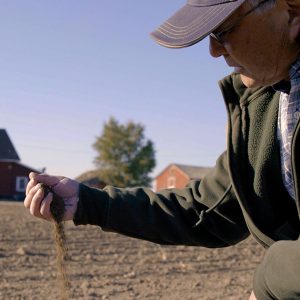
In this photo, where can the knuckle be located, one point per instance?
(32, 175)
(35, 189)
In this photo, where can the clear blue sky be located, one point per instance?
(68, 65)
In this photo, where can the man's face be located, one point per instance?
(259, 47)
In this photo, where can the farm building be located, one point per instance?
(177, 176)
(13, 174)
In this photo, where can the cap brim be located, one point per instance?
(191, 24)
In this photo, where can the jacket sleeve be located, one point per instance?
(205, 213)
(278, 276)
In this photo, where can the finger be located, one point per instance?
(30, 185)
(30, 195)
(32, 175)
(252, 296)
(45, 207)
(35, 204)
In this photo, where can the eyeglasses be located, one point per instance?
(221, 35)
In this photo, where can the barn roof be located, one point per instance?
(193, 172)
(7, 149)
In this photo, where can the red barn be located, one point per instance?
(13, 174)
(177, 176)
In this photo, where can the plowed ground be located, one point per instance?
(109, 266)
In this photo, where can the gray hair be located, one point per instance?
(265, 6)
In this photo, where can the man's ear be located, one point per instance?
(294, 19)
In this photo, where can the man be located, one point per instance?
(254, 187)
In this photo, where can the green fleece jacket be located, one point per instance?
(242, 194)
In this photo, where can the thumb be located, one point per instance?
(46, 179)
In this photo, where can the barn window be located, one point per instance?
(171, 182)
(21, 182)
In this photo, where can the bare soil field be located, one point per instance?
(109, 266)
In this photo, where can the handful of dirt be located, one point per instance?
(57, 209)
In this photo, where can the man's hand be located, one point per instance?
(252, 296)
(39, 204)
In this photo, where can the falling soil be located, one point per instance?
(57, 209)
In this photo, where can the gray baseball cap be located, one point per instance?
(194, 21)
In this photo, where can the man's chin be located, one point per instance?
(249, 82)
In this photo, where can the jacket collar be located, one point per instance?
(234, 91)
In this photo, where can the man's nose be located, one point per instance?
(216, 49)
